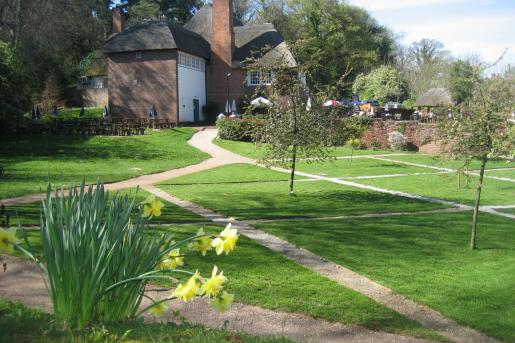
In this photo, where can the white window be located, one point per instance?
(259, 78)
(191, 62)
(98, 82)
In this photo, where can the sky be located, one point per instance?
(466, 27)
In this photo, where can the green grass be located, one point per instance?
(21, 324)
(501, 173)
(30, 161)
(256, 151)
(439, 161)
(29, 214)
(507, 210)
(358, 167)
(261, 277)
(241, 191)
(74, 114)
(445, 186)
(426, 257)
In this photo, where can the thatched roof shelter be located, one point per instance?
(435, 97)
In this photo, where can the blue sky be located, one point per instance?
(466, 27)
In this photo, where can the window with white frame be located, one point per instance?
(98, 82)
(259, 78)
(192, 62)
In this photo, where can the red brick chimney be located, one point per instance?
(222, 31)
(118, 20)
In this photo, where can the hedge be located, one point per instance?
(235, 129)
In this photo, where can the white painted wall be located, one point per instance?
(192, 85)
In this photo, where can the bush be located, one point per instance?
(352, 128)
(397, 140)
(99, 260)
(235, 129)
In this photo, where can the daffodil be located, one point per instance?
(173, 261)
(7, 240)
(227, 240)
(152, 207)
(223, 302)
(202, 244)
(190, 290)
(214, 285)
(159, 310)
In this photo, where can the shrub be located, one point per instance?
(235, 129)
(397, 140)
(352, 128)
(98, 258)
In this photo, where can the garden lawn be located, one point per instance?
(509, 173)
(426, 258)
(29, 214)
(21, 324)
(241, 191)
(30, 161)
(445, 186)
(256, 151)
(507, 210)
(439, 161)
(261, 277)
(358, 167)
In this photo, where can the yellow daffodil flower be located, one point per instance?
(190, 290)
(227, 240)
(201, 244)
(214, 285)
(223, 302)
(175, 260)
(7, 240)
(159, 310)
(152, 207)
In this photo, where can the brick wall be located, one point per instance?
(217, 86)
(136, 82)
(421, 136)
(94, 97)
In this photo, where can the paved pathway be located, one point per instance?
(344, 276)
(241, 318)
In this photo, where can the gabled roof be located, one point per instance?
(257, 40)
(157, 35)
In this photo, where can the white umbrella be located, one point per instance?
(261, 102)
(234, 105)
(228, 107)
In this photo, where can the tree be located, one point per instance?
(382, 84)
(461, 80)
(423, 65)
(244, 10)
(479, 128)
(293, 127)
(13, 95)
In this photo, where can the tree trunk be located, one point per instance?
(473, 238)
(293, 165)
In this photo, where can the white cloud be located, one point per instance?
(486, 36)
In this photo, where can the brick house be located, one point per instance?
(180, 69)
